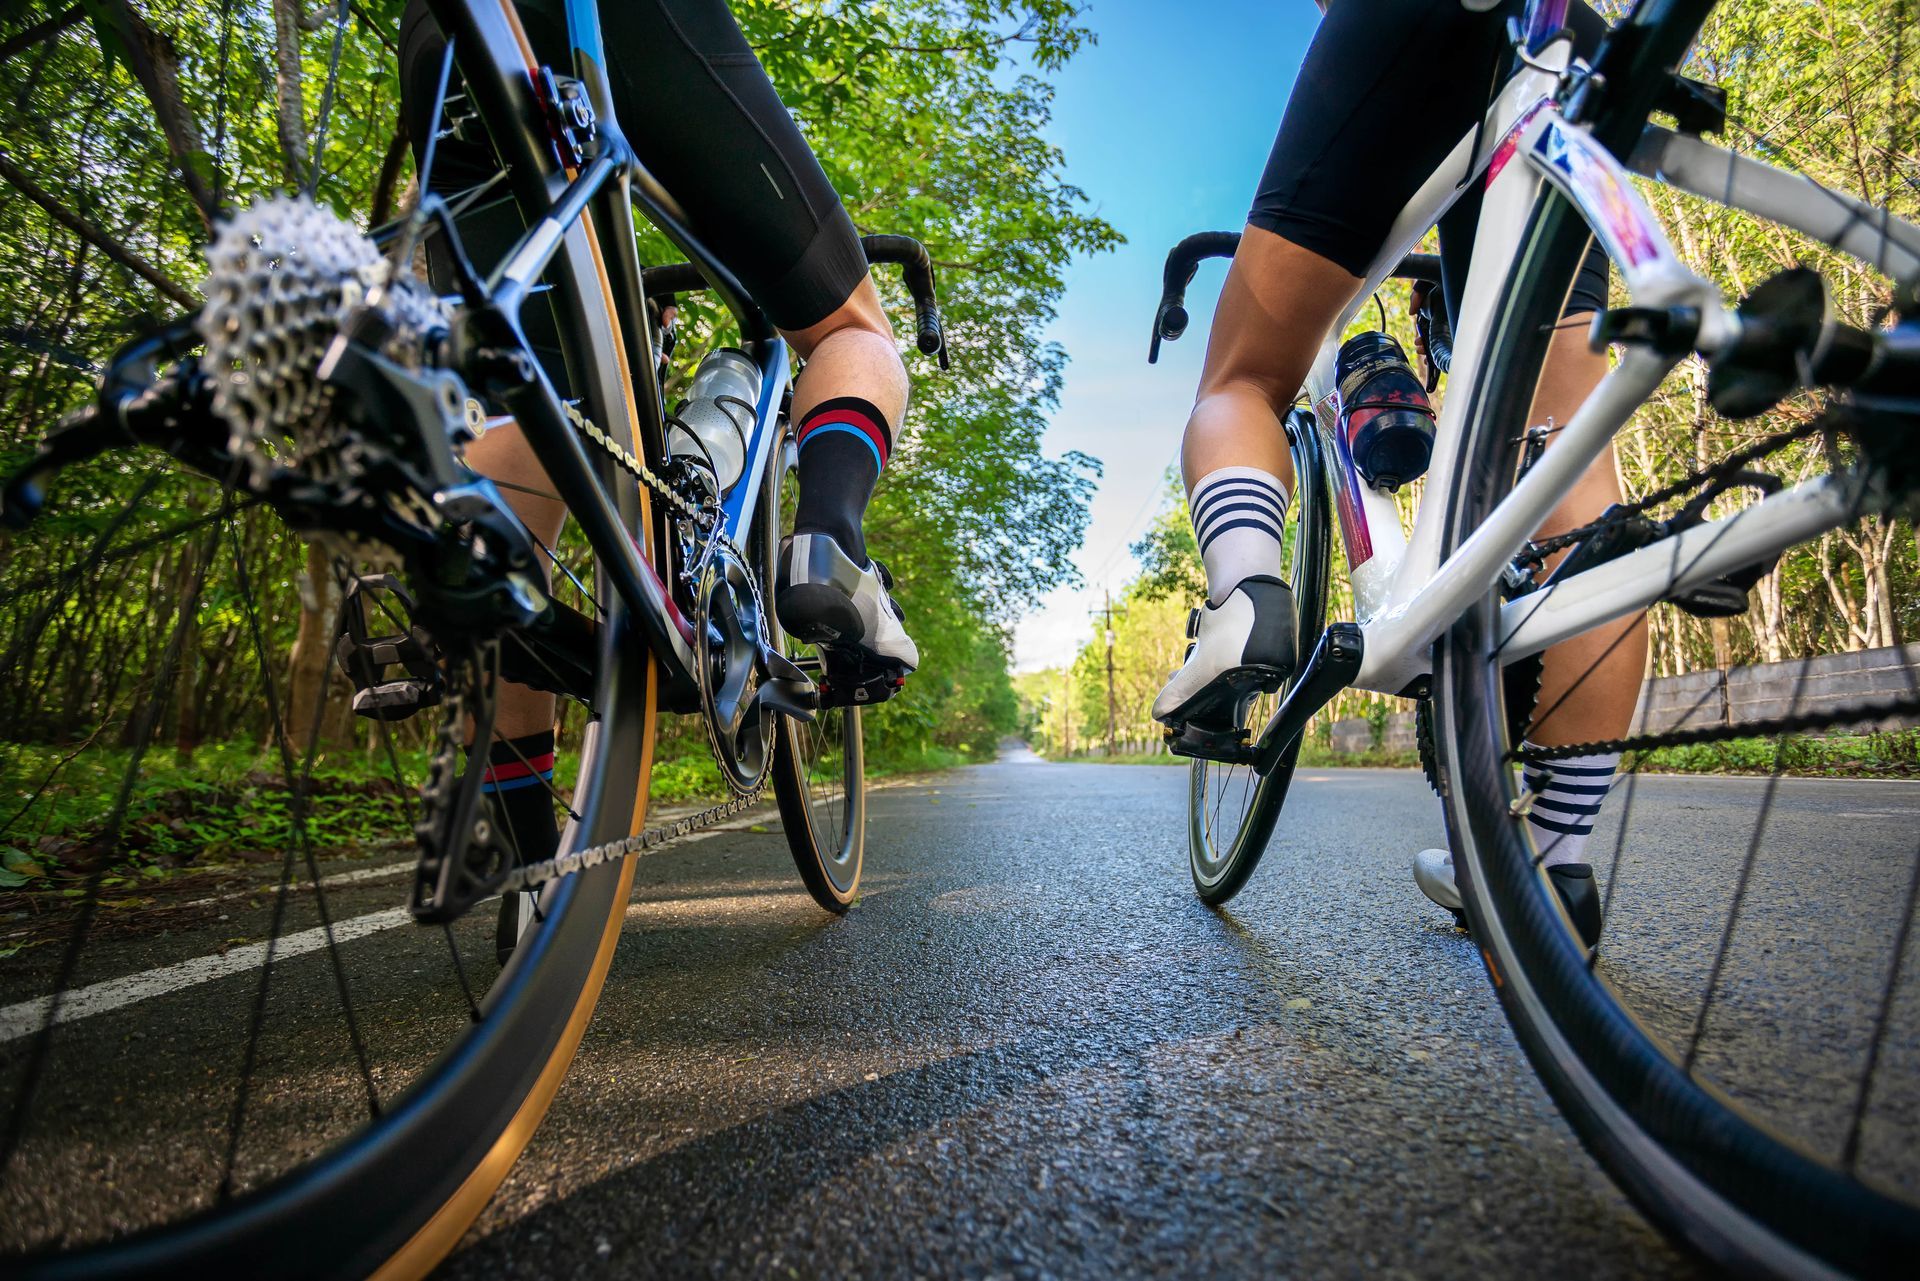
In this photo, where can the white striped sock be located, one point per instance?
(1567, 798)
(1238, 513)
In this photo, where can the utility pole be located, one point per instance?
(1109, 611)
(1066, 707)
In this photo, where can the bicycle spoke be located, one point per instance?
(41, 1049)
(1850, 1150)
(298, 812)
(1619, 847)
(67, 579)
(1741, 886)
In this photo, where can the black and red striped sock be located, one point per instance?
(519, 786)
(844, 444)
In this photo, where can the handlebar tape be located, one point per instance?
(916, 272)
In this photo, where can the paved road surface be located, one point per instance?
(1029, 1051)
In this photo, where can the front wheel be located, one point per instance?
(819, 767)
(1231, 810)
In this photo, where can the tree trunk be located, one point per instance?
(290, 101)
(312, 675)
(155, 63)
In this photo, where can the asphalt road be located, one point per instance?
(1028, 1051)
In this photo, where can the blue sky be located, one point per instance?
(1165, 124)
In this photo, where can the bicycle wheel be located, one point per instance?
(819, 768)
(1231, 810)
(1748, 1090)
(320, 1088)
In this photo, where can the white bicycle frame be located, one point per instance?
(1404, 595)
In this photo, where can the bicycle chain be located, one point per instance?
(1860, 713)
(532, 875)
(1732, 464)
(639, 470)
(444, 763)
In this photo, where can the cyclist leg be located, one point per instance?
(1342, 167)
(707, 122)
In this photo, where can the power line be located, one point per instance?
(1155, 497)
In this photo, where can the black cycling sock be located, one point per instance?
(844, 442)
(518, 786)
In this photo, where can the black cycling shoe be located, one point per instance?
(1580, 893)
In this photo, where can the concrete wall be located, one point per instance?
(1739, 696)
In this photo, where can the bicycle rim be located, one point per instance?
(1231, 811)
(819, 766)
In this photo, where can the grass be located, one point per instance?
(229, 803)
(1895, 754)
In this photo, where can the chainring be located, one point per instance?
(730, 628)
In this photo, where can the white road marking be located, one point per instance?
(27, 1017)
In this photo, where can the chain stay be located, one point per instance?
(532, 875)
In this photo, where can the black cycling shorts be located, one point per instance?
(701, 115)
(1388, 88)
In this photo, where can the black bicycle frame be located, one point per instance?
(588, 214)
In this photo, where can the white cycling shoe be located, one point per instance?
(824, 599)
(1241, 647)
(1433, 873)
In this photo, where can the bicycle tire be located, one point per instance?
(1745, 1199)
(828, 850)
(392, 1200)
(1217, 877)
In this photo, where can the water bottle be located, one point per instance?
(712, 427)
(1384, 412)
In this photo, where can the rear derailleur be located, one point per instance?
(1620, 530)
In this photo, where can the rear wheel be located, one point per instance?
(1739, 1050)
(322, 1088)
(819, 767)
(1231, 810)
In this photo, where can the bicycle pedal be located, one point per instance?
(854, 680)
(1228, 747)
(365, 658)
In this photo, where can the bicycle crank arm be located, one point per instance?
(787, 689)
(1335, 662)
